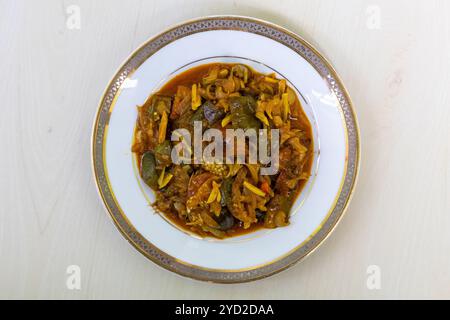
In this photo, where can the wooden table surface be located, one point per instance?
(393, 56)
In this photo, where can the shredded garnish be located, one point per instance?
(163, 128)
(166, 180)
(196, 100)
(226, 120)
(161, 176)
(254, 189)
(215, 192)
(285, 106)
(263, 118)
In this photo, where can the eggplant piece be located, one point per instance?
(162, 154)
(225, 193)
(148, 170)
(212, 113)
(243, 113)
(198, 115)
(225, 220)
(260, 215)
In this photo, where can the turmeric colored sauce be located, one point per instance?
(186, 78)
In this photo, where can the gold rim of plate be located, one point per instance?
(259, 27)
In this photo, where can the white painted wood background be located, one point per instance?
(53, 77)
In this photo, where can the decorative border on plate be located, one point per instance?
(245, 24)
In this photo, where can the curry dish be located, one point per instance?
(220, 199)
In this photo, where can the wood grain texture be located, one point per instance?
(53, 77)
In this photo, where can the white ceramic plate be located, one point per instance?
(267, 48)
